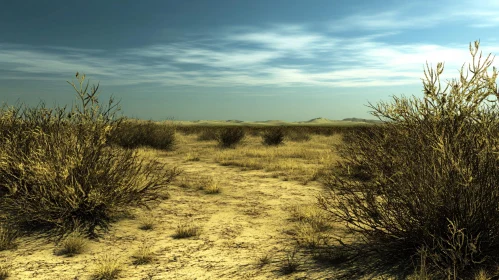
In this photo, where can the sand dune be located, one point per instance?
(315, 121)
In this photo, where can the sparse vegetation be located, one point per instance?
(273, 136)
(132, 135)
(75, 243)
(294, 160)
(192, 157)
(58, 170)
(147, 222)
(425, 181)
(108, 268)
(231, 136)
(208, 134)
(417, 192)
(4, 272)
(263, 260)
(298, 136)
(8, 236)
(210, 186)
(213, 189)
(143, 255)
(186, 230)
(290, 264)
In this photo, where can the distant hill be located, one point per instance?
(319, 120)
(313, 122)
(270, 121)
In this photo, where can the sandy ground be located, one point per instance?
(246, 221)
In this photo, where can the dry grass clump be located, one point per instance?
(313, 226)
(108, 268)
(186, 230)
(147, 222)
(192, 157)
(57, 169)
(4, 272)
(73, 244)
(210, 186)
(264, 260)
(8, 236)
(290, 263)
(143, 255)
(213, 189)
(425, 181)
(229, 137)
(273, 136)
(316, 217)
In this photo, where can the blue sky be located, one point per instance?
(234, 59)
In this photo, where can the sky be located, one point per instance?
(249, 60)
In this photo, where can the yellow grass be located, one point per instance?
(301, 161)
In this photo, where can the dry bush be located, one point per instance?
(298, 136)
(136, 134)
(273, 136)
(229, 137)
(208, 134)
(426, 179)
(57, 169)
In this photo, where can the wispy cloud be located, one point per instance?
(472, 13)
(280, 56)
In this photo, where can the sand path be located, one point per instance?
(246, 221)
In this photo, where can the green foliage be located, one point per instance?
(426, 180)
(58, 171)
(273, 136)
(230, 136)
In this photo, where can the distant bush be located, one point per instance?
(149, 134)
(230, 136)
(421, 189)
(253, 131)
(58, 171)
(273, 136)
(298, 136)
(208, 134)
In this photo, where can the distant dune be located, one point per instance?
(318, 121)
(315, 121)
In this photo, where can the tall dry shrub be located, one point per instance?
(423, 187)
(57, 171)
(229, 137)
(273, 136)
(148, 134)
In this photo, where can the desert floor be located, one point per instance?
(254, 218)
